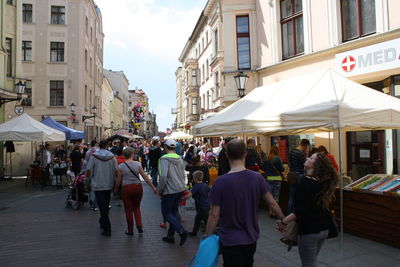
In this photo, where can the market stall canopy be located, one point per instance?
(25, 128)
(70, 134)
(135, 136)
(179, 135)
(316, 102)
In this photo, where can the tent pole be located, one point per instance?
(341, 187)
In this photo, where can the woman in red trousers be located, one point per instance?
(132, 190)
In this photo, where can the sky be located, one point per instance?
(144, 38)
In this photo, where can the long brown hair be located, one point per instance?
(274, 151)
(328, 177)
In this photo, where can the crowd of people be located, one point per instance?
(178, 170)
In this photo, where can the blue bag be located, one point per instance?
(207, 254)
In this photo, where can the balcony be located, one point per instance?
(192, 91)
(191, 118)
(174, 111)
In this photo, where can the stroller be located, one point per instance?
(77, 196)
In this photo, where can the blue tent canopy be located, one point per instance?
(70, 134)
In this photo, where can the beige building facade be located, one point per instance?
(120, 84)
(61, 50)
(358, 39)
(107, 109)
(222, 42)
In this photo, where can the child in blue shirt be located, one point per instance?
(199, 192)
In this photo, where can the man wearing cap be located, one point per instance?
(102, 169)
(171, 186)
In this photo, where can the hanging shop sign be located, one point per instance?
(369, 59)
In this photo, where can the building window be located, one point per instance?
(56, 93)
(358, 18)
(57, 51)
(90, 66)
(396, 86)
(28, 91)
(9, 2)
(243, 42)
(216, 75)
(194, 105)
(91, 34)
(26, 50)
(86, 61)
(204, 72)
(27, 13)
(57, 15)
(216, 42)
(9, 56)
(207, 69)
(87, 26)
(194, 77)
(86, 97)
(292, 28)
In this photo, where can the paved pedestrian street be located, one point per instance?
(37, 230)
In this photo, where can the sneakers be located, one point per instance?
(168, 239)
(163, 225)
(184, 236)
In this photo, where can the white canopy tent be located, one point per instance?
(25, 128)
(316, 102)
(321, 101)
(179, 135)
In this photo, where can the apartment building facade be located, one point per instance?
(120, 84)
(62, 60)
(359, 39)
(222, 42)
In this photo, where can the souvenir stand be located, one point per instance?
(323, 101)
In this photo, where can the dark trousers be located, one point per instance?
(201, 215)
(169, 207)
(239, 256)
(103, 201)
(132, 196)
(154, 176)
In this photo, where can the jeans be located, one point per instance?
(309, 247)
(201, 215)
(103, 200)
(132, 196)
(275, 186)
(239, 256)
(93, 202)
(169, 207)
(154, 176)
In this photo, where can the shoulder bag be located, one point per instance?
(132, 171)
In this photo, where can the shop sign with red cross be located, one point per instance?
(348, 63)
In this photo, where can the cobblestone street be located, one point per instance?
(37, 230)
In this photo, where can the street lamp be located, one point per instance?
(19, 89)
(93, 110)
(72, 107)
(241, 83)
(73, 115)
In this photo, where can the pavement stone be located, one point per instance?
(37, 230)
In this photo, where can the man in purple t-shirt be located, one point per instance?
(234, 201)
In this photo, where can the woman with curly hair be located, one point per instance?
(315, 192)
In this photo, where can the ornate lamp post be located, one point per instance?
(241, 83)
(19, 89)
(93, 110)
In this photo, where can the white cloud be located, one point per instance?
(142, 24)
